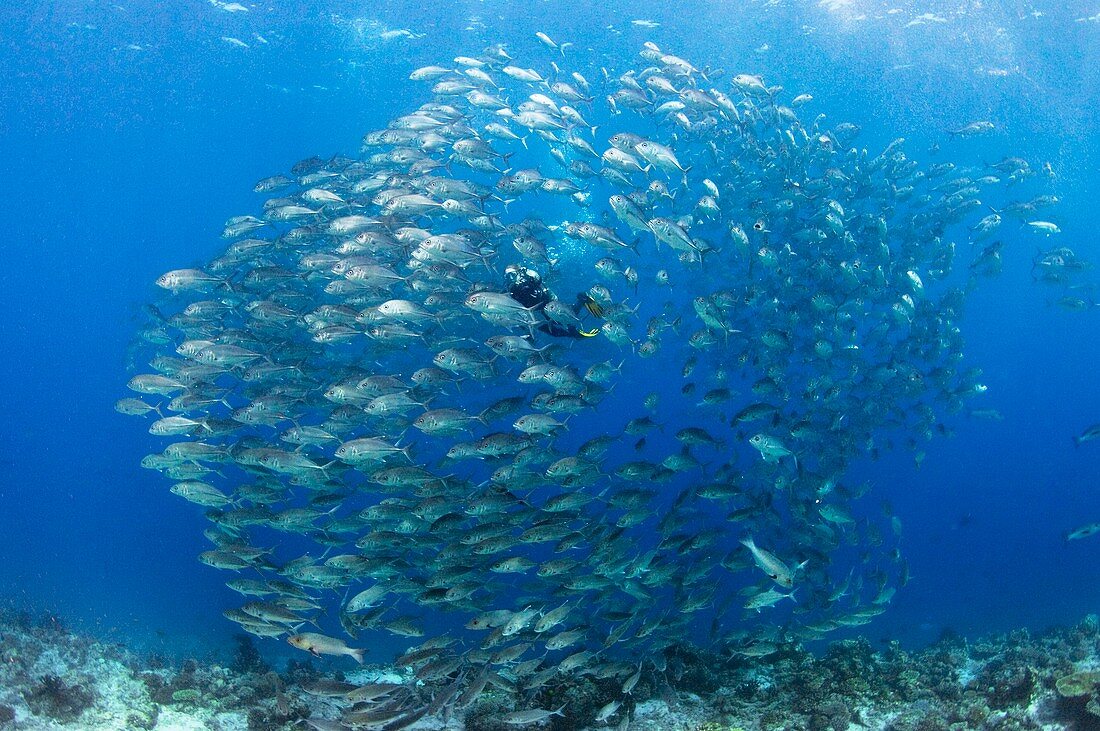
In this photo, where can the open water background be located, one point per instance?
(130, 131)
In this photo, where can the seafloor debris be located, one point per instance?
(52, 678)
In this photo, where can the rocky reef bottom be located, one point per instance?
(52, 678)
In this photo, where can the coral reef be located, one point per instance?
(246, 658)
(51, 678)
(1011, 681)
(54, 698)
(486, 713)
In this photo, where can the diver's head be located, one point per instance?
(519, 276)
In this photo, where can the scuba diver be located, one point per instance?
(525, 286)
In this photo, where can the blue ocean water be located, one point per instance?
(129, 134)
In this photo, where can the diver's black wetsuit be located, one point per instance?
(531, 293)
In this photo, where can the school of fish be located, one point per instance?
(377, 429)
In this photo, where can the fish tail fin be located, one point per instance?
(357, 653)
(486, 259)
